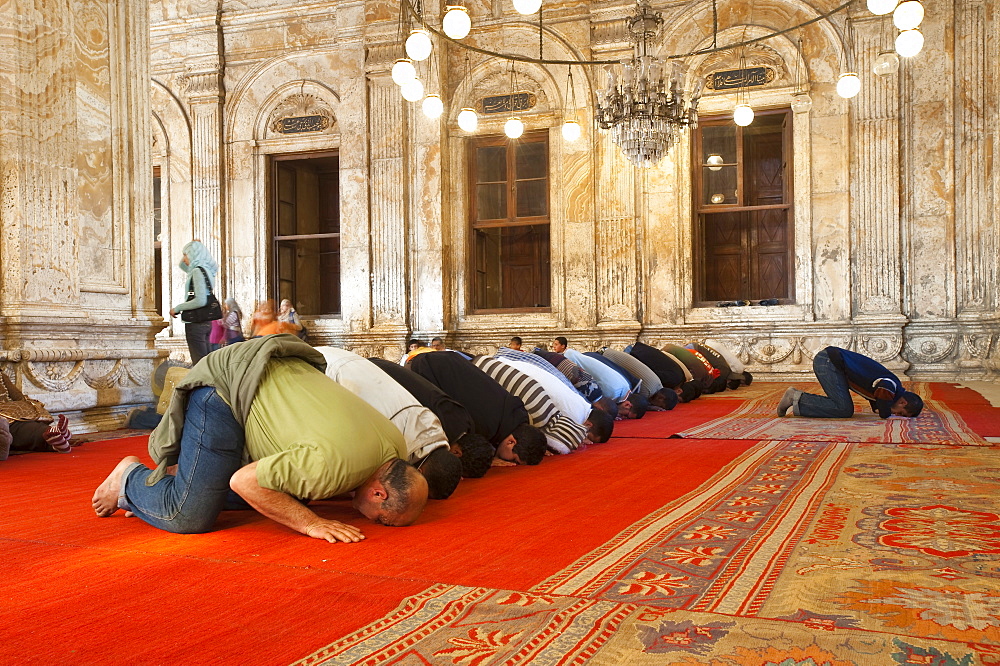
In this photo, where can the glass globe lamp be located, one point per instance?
(714, 162)
(418, 44)
(909, 43)
(801, 103)
(848, 85)
(908, 15)
(513, 128)
(433, 107)
(527, 7)
(881, 7)
(742, 115)
(456, 22)
(885, 64)
(412, 90)
(468, 120)
(403, 71)
(571, 130)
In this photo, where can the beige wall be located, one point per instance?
(76, 321)
(895, 239)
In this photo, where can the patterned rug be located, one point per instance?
(796, 554)
(757, 419)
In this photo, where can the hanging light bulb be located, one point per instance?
(848, 85)
(801, 103)
(527, 7)
(742, 115)
(403, 71)
(908, 15)
(513, 128)
(418, 44)
(885, 64)
(909, 43)
(412, 90)
(456, 22)
(433, 106)
(571, 130)
(468, 120)
(880, 7)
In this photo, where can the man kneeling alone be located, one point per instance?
(262, 419)
(839, 372)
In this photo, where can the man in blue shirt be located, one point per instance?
(839, 372)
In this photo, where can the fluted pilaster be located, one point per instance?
(205, 95)
(388, 214)
(975, 99)
(875, 232)
(616, 229)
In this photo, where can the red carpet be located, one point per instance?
(640, 550)
(115, 591)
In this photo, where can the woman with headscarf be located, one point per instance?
(289, 319)
(201, 269)
(232, 321)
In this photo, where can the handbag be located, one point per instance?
(210, 311)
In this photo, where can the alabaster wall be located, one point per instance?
(76, 321)
(895, 241)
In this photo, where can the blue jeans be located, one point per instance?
(837, 403)
(211, 452)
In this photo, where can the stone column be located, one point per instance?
(616, 235)
(388, 233)
(875, 230)
(38, 176)
(427, 286)
(975, 198)
(205, 95)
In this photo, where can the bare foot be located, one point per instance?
(105, 501)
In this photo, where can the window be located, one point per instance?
(157, 245)
(306, 233)
(742, 192)
(509, 182)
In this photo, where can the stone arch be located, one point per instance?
(172, 130)
(260, 92)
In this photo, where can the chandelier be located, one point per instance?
(648, 108)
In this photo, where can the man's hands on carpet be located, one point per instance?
(334, 531)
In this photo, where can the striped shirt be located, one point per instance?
(562, 434)
(649, 382)
(535, 360)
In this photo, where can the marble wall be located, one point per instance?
(894, 229)
(76, 317)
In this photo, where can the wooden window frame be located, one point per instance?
(700, 208)
(274, 239)
(538, 136)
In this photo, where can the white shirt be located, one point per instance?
(735, 364)
(612, 384)
(421, 429)
(567, 400)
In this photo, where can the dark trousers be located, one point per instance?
(197, 339)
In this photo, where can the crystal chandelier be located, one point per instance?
(647, 109)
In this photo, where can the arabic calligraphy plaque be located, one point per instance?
(300, 124)
(748, 77)
(521, 101)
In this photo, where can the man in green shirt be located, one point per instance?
(262, 419)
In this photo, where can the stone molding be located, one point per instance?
(48, 370)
